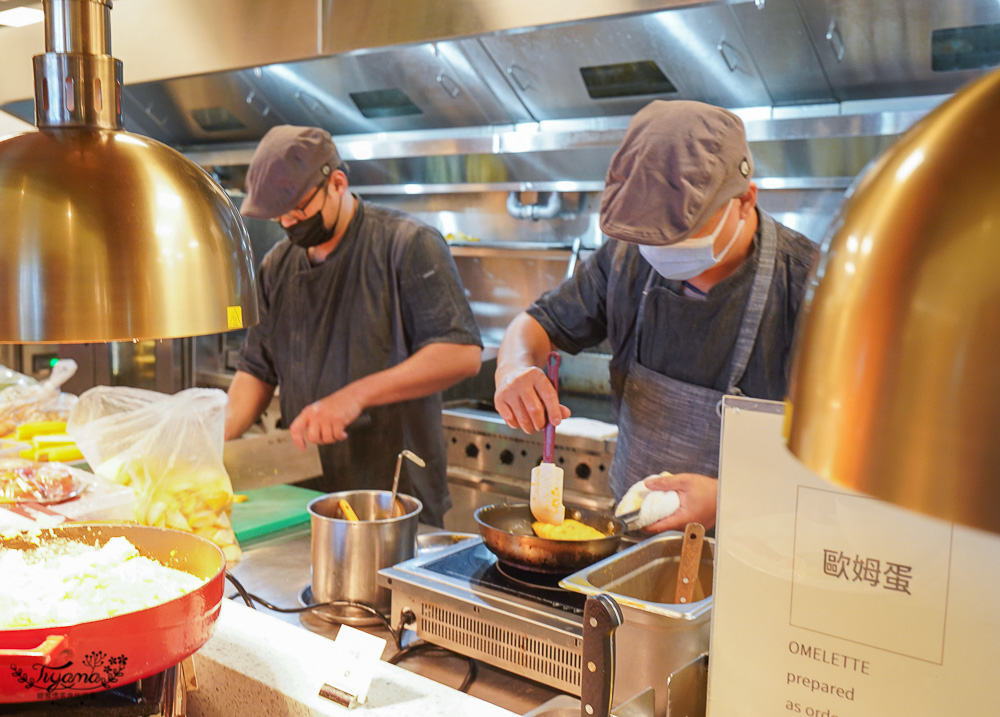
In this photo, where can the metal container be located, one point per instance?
(657, 636)
(347, 555)
(507, 532)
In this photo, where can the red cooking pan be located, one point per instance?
(71, 660)
(506, 531)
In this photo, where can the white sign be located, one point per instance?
(358, 655)
(828, 603)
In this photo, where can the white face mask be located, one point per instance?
(688, 258)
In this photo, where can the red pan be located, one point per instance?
(71, 660)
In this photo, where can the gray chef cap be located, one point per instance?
(287, 163)
(679, 163)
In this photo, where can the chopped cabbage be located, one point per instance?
(64, 582)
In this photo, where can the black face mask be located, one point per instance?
(311, 232)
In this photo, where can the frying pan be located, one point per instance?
(506, 531)
(55, 662)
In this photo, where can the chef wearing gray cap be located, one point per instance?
(362, 313)
(697, 292)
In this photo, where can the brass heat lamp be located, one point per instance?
(895, 386)
(107, 235)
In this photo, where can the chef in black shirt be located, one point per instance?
(697, 291)
(363, 315)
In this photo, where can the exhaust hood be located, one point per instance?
(485, 94)
(492, 97)
(108, 235)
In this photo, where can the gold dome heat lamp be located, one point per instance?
(107, 235)
(895, 386)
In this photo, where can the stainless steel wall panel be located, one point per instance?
(483, 82)
(883, 49)
(352, 24)
(817, 157)
(543, 65)
(786, 58)
(220, 107)
(484, 216)
(318, 92)
(522, 169)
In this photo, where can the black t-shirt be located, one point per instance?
(686, 338)
(388, 289)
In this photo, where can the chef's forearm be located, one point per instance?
(248, 397)
(433, 368)
(524, 344)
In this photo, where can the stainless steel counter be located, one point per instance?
(279, 569)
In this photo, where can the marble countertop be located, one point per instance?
(278, 569)
(256, 664)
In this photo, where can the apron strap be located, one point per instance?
(617, 262)
(754, 311)
(642, 312)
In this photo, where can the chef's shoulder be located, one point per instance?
(797, 254)
(275, 261)
(618, 263)
(396, 227)
(797, 249)
(614, 265)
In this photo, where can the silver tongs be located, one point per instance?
(396, 510)
(630, 520)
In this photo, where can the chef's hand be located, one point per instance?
(698, 496)
(526, 399)
(326, 420)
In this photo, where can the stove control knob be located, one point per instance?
(506, 457)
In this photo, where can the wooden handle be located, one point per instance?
(601, 617)
(690, 562)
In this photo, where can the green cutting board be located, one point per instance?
(270, 510)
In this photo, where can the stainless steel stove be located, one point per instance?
(162, 695)
(465, 601)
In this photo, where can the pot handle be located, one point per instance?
(53, 646)
(601, 617)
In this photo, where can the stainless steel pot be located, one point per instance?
(347, 555)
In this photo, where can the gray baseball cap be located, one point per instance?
(288, 162)
(679, 163)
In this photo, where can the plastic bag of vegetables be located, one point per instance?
(24, 400)
(10, 378)
(169, 449)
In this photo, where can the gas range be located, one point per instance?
(480, 443)
(465, 601)
(489, 462)
(161, 695)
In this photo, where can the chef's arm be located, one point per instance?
(433, 368)
(248, 397)
(524, 396)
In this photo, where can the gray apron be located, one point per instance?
(667, 424)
